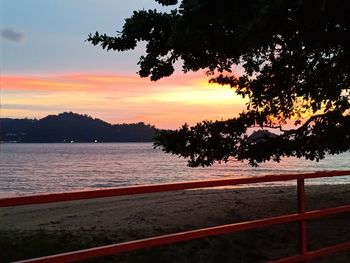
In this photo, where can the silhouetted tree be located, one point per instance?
(295, 59)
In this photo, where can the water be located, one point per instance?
(41, 168)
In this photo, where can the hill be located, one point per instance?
(68, 127)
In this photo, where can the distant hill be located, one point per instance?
(261, 135)
(72, 127)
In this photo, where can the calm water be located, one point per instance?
(37, 168)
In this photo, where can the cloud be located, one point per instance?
(12, 35)
(89, 82)
(31, 107)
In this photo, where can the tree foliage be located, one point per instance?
(295, 59)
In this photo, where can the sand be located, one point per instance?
(129, 217)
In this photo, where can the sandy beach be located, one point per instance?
(125, 218)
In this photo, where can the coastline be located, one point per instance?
(126, 218)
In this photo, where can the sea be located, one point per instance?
(27, 169)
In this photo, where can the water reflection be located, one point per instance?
(35, 168)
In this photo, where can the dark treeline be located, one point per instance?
(68, 127)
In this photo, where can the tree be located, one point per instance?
(295, 59)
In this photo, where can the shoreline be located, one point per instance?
(308, 182)
(127, 218)
(271, 201)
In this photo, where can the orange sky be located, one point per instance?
(115, 98)
(47, 67)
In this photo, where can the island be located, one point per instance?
(72, 127)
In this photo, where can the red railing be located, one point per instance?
(302, 216)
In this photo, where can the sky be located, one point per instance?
(47, 67)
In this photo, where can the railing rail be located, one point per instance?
(301, 217)
(155, 188)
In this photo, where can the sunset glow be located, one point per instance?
(49, 68)
(118, 98)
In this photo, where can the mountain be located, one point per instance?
(68, 127)
(12, 130)
(261, 135)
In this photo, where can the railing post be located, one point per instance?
(301, 210)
